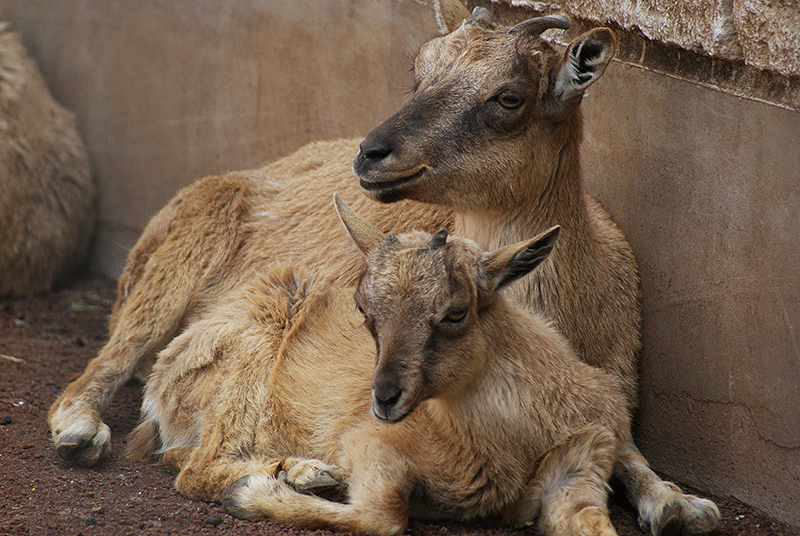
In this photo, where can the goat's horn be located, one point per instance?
(537, 25)
(365, 235)
(481, 14)
(438, 239)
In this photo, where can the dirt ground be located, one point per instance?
(47, 340)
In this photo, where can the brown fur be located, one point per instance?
(497, 169)
(46, 191)
(272, 388)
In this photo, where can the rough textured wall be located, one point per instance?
(175, 90)
(762, 33)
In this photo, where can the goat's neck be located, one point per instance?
(499, 395)
(558, 200)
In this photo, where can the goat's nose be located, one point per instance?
(386, 397)
(374, 150)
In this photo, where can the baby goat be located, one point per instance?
(479, 410)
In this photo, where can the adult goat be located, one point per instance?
(489, 142)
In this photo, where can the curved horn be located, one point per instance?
(537, 25)
(481, 14)
(438, 240)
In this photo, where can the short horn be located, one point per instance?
(481, 14)
(537, 25)
(438, 239)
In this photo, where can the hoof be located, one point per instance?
(86, 449)
(232, 498)
(311, 476)
(685, 515)
(701, 517)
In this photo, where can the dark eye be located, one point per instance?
(360, 307)
(509, 100)
(455, 315)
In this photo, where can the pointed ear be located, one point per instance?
(365, 235)
(585, 60)
(450, 14)
(507, 264)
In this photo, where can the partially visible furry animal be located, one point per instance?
(46, 191)
(474, 409)
(487, 145)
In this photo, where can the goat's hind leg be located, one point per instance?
(664, 510)
(163, 274)
(572, 485)
(374, 503)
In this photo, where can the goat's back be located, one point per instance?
(219, 231)
(285, 363)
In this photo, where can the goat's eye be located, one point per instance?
(456, 314)
(509, 100)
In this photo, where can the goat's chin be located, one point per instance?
(391, 189)
(392, 416)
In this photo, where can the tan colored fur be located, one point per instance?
(507, 424)
(46, 191)
(498, 174)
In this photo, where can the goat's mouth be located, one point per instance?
(395, 412)
(389, 187)
(389, 416)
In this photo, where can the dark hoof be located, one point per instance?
(231, 498)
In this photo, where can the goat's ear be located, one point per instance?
(584, 61)
(365, 235)
(507, 264)
(450, 14)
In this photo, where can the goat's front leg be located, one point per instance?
(204, 475)
(664, 510)
(568, 494)
(143, 324)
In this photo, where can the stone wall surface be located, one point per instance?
(762, 33)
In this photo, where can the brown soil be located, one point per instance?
(46, 341)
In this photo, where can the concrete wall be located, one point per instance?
(169, 91)
(698, 158)
(707, 188)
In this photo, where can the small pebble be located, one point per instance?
(213, 520)
(91, 521)
(7, 419)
